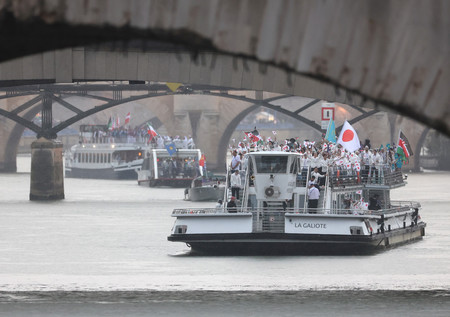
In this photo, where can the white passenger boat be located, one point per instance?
(177, 170)
(273, 217)
(103, 157)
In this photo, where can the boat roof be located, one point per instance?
(112, 147)
(273, 153)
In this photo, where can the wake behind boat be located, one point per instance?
(273, 216)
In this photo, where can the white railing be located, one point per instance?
(397, 206)
(374, 174)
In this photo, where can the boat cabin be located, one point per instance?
(160, 168)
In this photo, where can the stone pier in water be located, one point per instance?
(47, 177)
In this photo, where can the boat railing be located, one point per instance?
(131, 140)
(303, 177)
(325, 194)
(395, 207)
(383, 174)
(305, 202)
(114, 139)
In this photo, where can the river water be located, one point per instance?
(103, 251)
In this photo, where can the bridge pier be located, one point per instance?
(47, 178)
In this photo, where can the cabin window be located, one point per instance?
(271, 164)
(294, 167)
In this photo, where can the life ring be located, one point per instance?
(269, 191)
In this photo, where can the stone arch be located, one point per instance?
(10, 164)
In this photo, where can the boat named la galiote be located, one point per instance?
(273, 216)
(100, 156)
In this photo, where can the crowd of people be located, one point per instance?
(136, 135)
(318, 158)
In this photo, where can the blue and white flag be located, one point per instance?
(331, 132)
(171, 148)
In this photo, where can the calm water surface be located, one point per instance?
(103, 251)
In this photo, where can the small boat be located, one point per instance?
(203, 189)
(273, 216)
(103, 157)
(160, 168)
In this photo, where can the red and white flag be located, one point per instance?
(127, 118)
(252, 137)
(348, 138)
(152, 132)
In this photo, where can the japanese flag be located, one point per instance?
(348, 138)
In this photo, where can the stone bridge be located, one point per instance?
(211, 116)
(389, 54)
(393, 53)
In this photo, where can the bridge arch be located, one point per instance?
(168, 117)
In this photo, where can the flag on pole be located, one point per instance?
(117, 122)
(274, 132)
(202, 161)
(252, 137)
(127, 118)
(152, 132)
(331, 132)
(348, 138)
(110, 124)
(404, 149)
(171, 149)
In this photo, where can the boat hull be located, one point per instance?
(206, 193)
(297, 244)
(104, 173)
(166, 182)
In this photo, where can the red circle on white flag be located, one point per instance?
(348, 136)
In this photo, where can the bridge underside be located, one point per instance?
(344, 51)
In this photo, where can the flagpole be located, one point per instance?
(398, 139)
